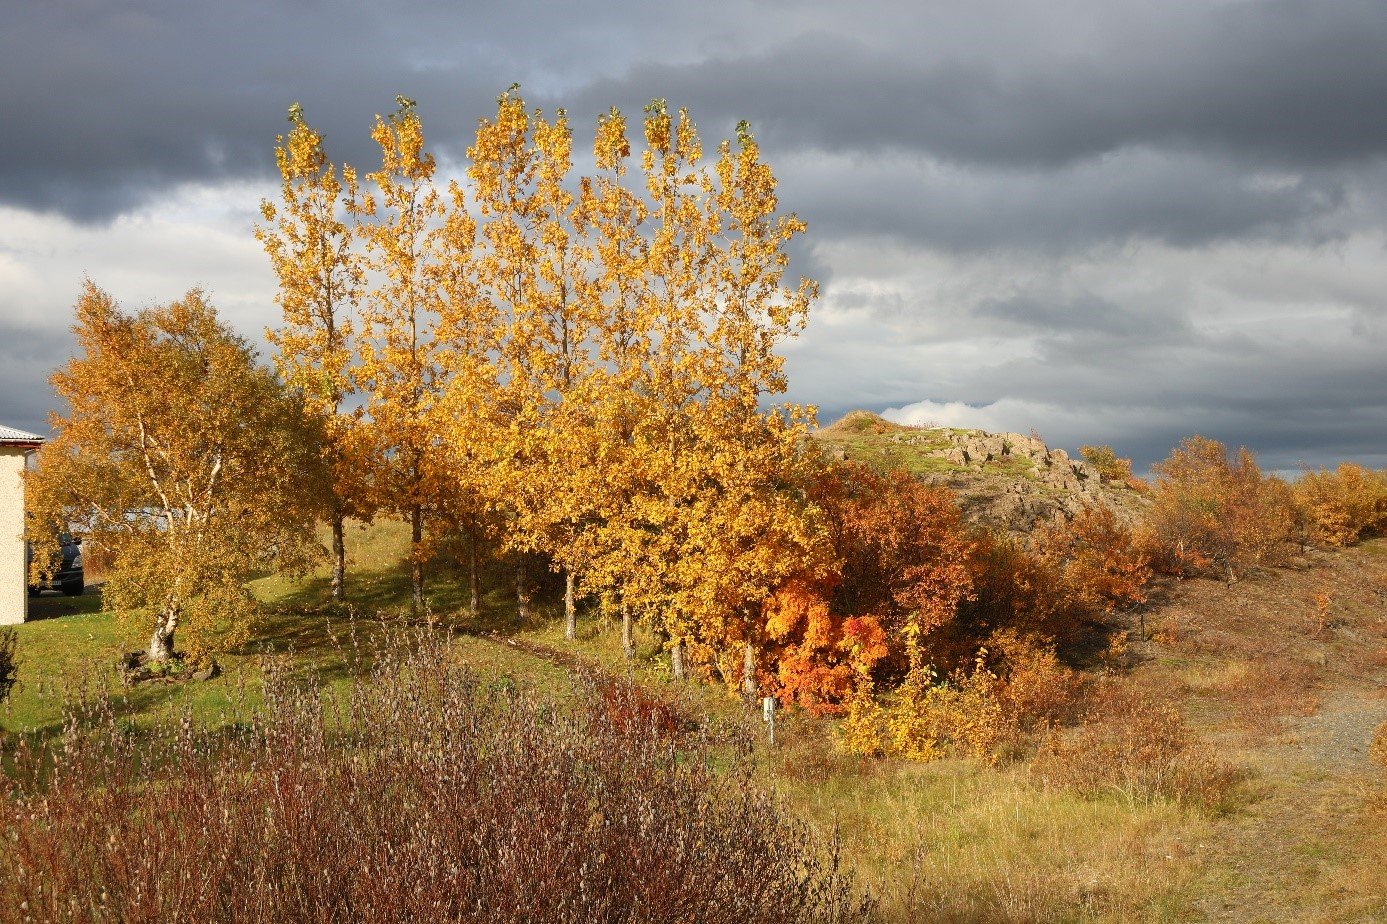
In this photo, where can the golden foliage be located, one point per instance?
(1341, 506)
(182, 460)
(1112, 467)
(321, 279)
(982, 713)
(1210, 512)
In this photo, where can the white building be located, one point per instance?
(15, 447)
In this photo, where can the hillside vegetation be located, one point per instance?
(1002, 480)
(1280, 675)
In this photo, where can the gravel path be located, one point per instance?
(1277, 860)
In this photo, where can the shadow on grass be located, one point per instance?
(53, 604)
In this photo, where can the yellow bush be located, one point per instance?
(978, 713)
(1342, 506)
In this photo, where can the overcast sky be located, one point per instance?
(1110, 221)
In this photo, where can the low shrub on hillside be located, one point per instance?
(1101, 564)
(1138, 749)
(1012, 690)
(1213, 514)
(421, 796)
(1342, 506)
(1112, 467)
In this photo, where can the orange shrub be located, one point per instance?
(1212, 513)
(1102, 565)
(902, 552)
(1012, 588)
(1342, 506)
(818, 656)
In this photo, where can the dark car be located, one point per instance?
(65, 573)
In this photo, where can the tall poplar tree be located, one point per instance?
(398, 349)
(534, 266)
(309, 243)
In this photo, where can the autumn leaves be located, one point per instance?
(573, 367)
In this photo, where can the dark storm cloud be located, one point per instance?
(1178, 199)
(26, 359)
(1297, 401)
(1115, 220)
(1295, 82)
(105, 104)
(1087, 315)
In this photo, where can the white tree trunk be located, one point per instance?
(161, 642)
(749, 672)
(570, 612)
(522, 594)
(676, 660)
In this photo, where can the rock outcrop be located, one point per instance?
(1003, 480)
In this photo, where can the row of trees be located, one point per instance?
(572, 367)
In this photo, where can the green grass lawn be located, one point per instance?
(71, 645)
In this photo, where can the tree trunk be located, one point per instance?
(472, 574)
(522, 594)
(628, 644)
(339, 557)
(749, 672)
(676, 660)
(570, 612)
(161, 643)
(416, 562)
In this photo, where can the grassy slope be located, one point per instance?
(955, 841)
(868, 438)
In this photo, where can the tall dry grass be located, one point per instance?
(423, 795)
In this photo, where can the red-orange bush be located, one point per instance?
(901, 549)
(818, 656)
(1101, 563)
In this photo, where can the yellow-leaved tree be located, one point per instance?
(183, 461)
(403, 227)
(534, 267)
(759, 530)
(309, 243)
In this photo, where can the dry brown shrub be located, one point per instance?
(424, 796)
(1210, 514)
(1139, 749)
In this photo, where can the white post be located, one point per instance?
(768, 716)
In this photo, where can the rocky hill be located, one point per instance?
(1004, 480)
